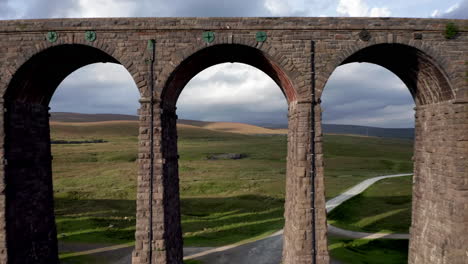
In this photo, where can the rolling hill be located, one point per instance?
(79, 117)
(242, 128)
(369, 131)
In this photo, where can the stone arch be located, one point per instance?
(419, 66)
(174, 83)
(44, 47)
(278, 67)
(28, 208)
(430, 78)
(100, 51)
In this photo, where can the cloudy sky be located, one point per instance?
(361, 94)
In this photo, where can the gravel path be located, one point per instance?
(357, 189)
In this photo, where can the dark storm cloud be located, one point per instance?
(366, 94)
(232, 113)
(98, 88)
(461, 12)
(95, 98)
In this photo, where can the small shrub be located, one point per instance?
(233, 156)
(451, 30)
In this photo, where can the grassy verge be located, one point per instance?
(362, 251)
(383, 207)
(92, 259)
(87, 259)
(191, 261)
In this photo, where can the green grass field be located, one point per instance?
(363, 251)
(82, 260)
(223, 201)
(351, 159)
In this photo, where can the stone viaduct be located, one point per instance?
(163, 54)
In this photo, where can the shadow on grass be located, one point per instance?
(205, 221)
(361, 251)
(219, 221)
(374, 214)
(83, 260)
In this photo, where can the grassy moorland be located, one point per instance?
(352, 159)
(223, 201)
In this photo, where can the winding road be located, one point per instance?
(264, 251)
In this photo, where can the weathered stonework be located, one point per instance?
(299, 54)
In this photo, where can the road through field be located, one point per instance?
(264, 251)
(269, 250)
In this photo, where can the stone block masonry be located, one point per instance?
(299, 54)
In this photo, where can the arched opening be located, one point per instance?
(220, 54)
(187, 70)
(424, 78)
(390, 205)
(369, 133)
(30, 221)
(232, 167)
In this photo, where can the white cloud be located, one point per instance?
(232, 84)
(372, 74)
(299, 7)
(457, 10)
(104, 8)
(100, 72)
(435, 13)
(380, 12)
(359, 8)
(278, 7)
(452, 8)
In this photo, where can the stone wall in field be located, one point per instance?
(163, 54)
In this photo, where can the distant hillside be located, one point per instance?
(369, 131)
(77, 117)
(357, 130)
(193, 122)
(243, 128)
(88, 121)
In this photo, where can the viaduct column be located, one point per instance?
(158, 234)
(439, 230)
(3, 244)
(31, 234)
(148, 167)
(170, 183)
(305, 240)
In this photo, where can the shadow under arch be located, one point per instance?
(31, 234)
(173, 87)
(426, 80)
